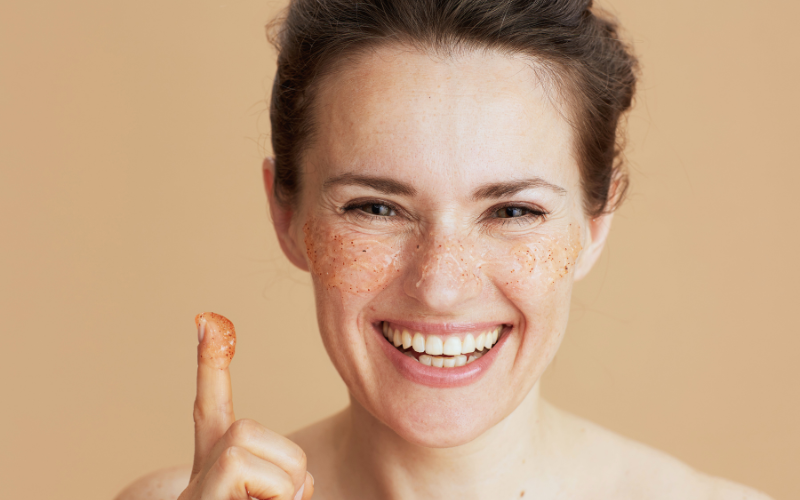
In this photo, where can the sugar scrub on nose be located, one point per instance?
(216, 338)
(451, 259)
(364, 263)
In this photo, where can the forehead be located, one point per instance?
(463, 120)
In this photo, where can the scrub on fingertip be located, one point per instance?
(217, 339)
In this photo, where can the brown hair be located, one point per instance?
(578, 46)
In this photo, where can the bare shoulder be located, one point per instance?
(633, 470)
(164, 484)
(722, 489)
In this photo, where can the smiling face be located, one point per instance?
(441, 219)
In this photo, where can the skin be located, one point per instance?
(446, 149)
(443, 257)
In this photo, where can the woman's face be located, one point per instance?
(441, 207)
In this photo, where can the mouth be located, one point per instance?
(450, 350)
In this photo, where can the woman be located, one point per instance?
(445, 170)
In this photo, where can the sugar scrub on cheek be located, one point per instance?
(361, 263)
(536, 263)
(217, 339)
(538, 259)
(349, 261)
(523, 264)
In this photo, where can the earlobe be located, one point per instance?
(282, 219)
(598, 233)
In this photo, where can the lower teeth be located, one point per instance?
(442, 361)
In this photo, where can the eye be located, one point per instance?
(377, 209)
(373, 209)
(520, 215)
(512, 212)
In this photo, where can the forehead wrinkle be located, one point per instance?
(383, 184)
(364, 79)
(374, 122)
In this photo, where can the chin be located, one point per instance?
(437, 424)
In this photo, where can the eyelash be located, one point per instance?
(355, 207)
(533, 215)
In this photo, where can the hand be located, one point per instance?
(236, 459)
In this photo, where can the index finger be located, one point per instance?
(213, 406)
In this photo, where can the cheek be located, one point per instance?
(350, 262)
(535, 269)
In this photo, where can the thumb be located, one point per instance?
(213, 406)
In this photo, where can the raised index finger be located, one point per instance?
(213, 407)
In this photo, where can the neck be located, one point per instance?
(499, 463)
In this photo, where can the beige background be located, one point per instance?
(131, 135)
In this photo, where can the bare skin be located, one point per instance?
(442, 192)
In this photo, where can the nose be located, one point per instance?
(444, 275)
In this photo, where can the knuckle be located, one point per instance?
(244, 430)
(285, 487)
(231, 459)
(198, 414)
(297, 458)
(202, 413)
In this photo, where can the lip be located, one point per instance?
(441, 377)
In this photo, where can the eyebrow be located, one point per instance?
(502, 189)
(391, 186)
(382, 184)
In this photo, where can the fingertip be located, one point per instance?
(216, 340)
(201, 327)
(299, 495)
(308, 487)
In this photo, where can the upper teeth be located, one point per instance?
(436, 345)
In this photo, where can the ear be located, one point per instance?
(598, 233)
(282, 219)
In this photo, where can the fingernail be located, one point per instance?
(201, 330)
(300, 492)
(312, 478)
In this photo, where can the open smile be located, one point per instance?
(441, 351)
(441, 355)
